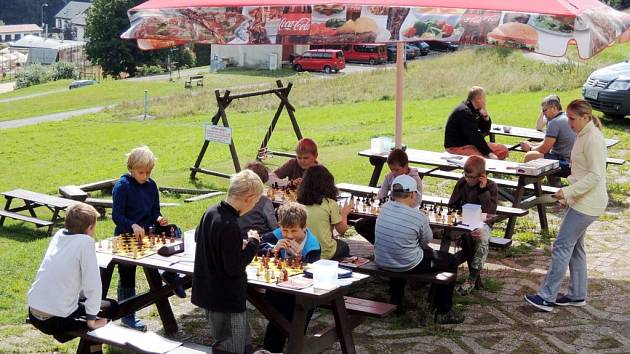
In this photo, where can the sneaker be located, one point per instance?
(562, 300)
(539, 302)
(132, 322)
(451, 317)
(170, 278)
(465, 288)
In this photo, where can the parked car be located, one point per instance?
(422, 46)
(326, 60)
(440, 46)
(366, 52)
(81, 83)
(608, 89)
(411, 51)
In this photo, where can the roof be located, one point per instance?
(73, 9)
(30, 41)
(20, 28)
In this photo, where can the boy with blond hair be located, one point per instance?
(292, 238)
(475, 187)
(136, 207)
(293, 170)
(219, 278)
(66, 293)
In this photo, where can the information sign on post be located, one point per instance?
(218, 134)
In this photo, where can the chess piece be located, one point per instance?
(163, 238)
(268, 276)
(285, 275)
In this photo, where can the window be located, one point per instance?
(18, 36)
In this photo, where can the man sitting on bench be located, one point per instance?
(559, 139)
(402, 236)
(66, 293)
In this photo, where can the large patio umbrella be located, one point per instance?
(542, 26)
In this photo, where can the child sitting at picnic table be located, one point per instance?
(262, 217)
(402, 237)
(290, 239)
(219, 277)
(293, 170)
(319, 194)
(66, 293)
(475, 188)
(136, 208)
(398, 164)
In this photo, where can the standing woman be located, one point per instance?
(586, 199)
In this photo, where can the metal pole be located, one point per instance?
(400, 75)
(42, 18)
(146, 103)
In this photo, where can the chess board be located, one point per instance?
(281, 195)
(127, 245)
(269, 269)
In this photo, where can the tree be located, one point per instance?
(106, 21)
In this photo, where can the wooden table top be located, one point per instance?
(39, 198)
(180, 264)
(529, 133)
(451, 161)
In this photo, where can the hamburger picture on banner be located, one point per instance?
(514, 35)
(330, 24)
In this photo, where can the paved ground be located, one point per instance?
(496, 322)
(49, 117)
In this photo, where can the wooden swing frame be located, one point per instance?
(223, 103)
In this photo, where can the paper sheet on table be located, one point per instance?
(103, 259)
(148, 342)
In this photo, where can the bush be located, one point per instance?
(146, 70)
(31, 75)
(63, 70)
(186, 58)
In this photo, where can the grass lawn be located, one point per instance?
(93, 147)
(108, 92)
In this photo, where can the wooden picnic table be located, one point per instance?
(32, 201)
(446, 161)
(529, 133)
(306, 299)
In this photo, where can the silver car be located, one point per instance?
(608, 90)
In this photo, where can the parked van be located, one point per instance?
(326, 60)
(366, 52)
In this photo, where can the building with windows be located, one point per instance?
(70, 21)
(9, 33)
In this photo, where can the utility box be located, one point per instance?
(273, 61)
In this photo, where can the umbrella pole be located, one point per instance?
(400, 71)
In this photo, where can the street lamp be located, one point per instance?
(44, 25)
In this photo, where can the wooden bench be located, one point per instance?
(16, 216)
(107, 184)
(73, 192)
(503, 212)
(89, 340)
(198, 79)
(423, 171)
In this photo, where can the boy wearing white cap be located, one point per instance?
(401, 245)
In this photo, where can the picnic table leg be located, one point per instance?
(54, 219)
(542, 210)
(342, 326)
(31, 209)
(6, 207)
(445, 243)
(85, 346)
(295, 338)
(378, 167)
(518, 195)
(106, 278)
(163, 306)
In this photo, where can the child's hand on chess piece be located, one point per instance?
(162, 221)
(138, 230)
(295, 183)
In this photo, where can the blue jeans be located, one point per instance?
(568, 251)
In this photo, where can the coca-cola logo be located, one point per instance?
(293, 23)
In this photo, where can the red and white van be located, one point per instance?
(366, 53)
(326, 60)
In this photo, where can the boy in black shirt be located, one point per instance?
(219, 278)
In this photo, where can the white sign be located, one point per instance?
(218, 134)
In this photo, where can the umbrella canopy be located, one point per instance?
(542, 26)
